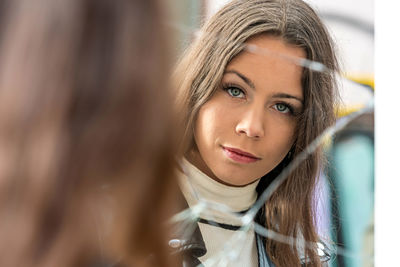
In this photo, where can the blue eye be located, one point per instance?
(283, 108)
(235, 92)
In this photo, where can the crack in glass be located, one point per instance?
(232, 248)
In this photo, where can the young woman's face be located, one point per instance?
(247, 127)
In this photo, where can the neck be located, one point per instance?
(196, 186)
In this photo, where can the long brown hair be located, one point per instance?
(290, 210)
(86, 158)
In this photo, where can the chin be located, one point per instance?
(235, 180)
(241, 183)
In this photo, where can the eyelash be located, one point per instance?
(229, 87)
(287, 105)
(291, 110)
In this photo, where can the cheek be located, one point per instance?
(203, 125)
(212, 123)
(205, 128)
(279, 140)
(285, 137)
(282, 128)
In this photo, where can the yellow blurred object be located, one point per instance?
(364, 78)
(346, 110)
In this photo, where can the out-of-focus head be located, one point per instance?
(86, 147)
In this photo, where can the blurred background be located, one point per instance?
(346, 193)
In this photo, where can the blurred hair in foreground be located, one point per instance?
(86, 151)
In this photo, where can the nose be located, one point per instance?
(251, 124)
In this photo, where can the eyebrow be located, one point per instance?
(251, 84)
(283, 95)
(244, 78)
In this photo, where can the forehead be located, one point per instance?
(270, 64)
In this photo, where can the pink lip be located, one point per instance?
(239, 155)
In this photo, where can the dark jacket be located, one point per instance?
(188, 242)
